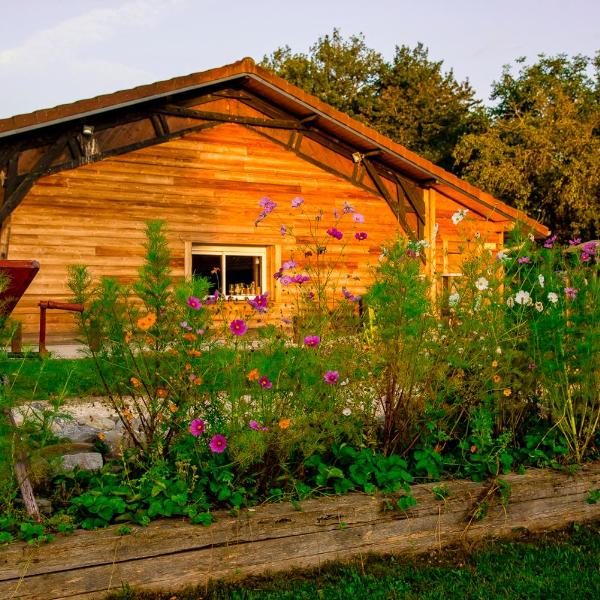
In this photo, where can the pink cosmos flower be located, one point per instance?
(260, 302)
(282, 230)
(238, 327)
(331, 377)
(524, 260)
(300, 278)
(197, 427)
(218, 443)
(256, 426)
(549, 243)
(360, 235)
(335, 233)
(575, 242)
(194, 302)
(289, 264)
(298, 201)
(358, 218)
(411, 253)
(571, 292)
(265, 382)
(312, 341)
(285, 280)
(350, 296)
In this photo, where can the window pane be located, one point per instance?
(203, 265)
(243, 274)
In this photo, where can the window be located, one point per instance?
(232, 270)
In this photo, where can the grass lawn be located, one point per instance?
(43, 379)
(558, 565)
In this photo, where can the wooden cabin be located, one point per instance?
(200, 151)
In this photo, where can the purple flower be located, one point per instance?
(197, 427)
(575, 242)
(335, 233)
(255, 425)
(300, 278)
(549, 243)
(331, 377)
(523, 260)
(310, 296)
(283, 230)
(571, 292)
(259, 302)
(265, 382)
(268, 206)
(585, 257)
(238, 327)
(590, 248)
(411, 253)
(194, 302)
(297, 201)
(183, 325)
(348, 208)
(349, 295)
(312, 341)
(218, 443)
(358, 218)
(289, 264)
(360, 235)
(278, 274)
(200, 331)
(285, 280)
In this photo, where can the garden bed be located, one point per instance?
(171, 554)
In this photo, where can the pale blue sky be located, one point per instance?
(59, 51)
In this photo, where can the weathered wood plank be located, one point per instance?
(171, 553)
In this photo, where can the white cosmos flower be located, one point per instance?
(522, 297)
(482, 284)
(458, 216)
(453, 299)
(347, 412)
(541, 280)
(539, 306)
(553, 297)
(502, 255)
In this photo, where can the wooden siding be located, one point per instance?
(206, 186)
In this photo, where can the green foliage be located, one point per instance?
(541, 151)
(410, 99)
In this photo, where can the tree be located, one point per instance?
(541, 152)
(343, 73)
(423, 108)
(410, 99)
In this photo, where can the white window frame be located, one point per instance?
(224, 251)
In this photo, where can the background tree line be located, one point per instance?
(537, 147)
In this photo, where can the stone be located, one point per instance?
(44, 505)
(88, 461)
(74, 431)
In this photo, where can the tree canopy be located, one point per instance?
(537, 147)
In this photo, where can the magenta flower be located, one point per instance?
(283, 230)
(360, 235)
(218, 443)
(335, 233)
(571, 292)
(297, 201)
(238, 327)
(575, 242)
(268, 206)
(285, 280)
(411, 253)
(358, 218)
(312, 341)
(549, 243)
(524, 260)
(197, 427)
(331, 377)
(350, 296)
(194, 302)
(289, 264)
(260, 302)
(300, 278)
(256, 426)
(265, 382)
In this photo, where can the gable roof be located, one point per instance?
(249, 76)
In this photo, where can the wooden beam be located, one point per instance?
(416, 203)
(12, 200)
(189, 113)
(388, 197)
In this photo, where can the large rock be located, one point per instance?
(89, 461)
(74, 431)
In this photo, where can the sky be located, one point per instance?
(53, 52)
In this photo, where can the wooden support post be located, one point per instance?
(42, 340)
(23, 476)
(16, 342)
